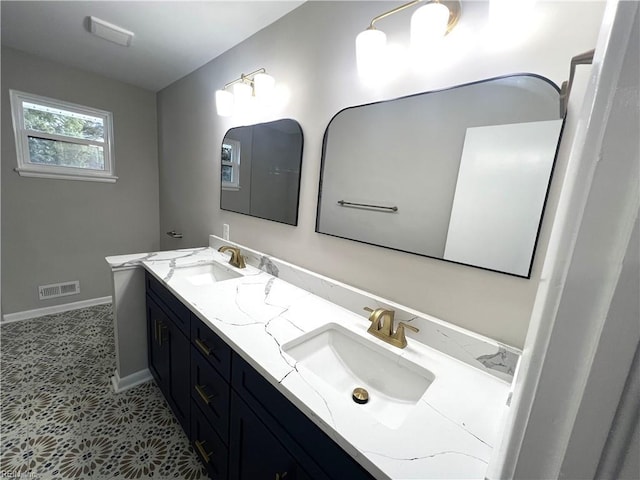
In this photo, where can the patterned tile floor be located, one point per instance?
(60, 418)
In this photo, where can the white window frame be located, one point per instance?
(27, 169)
(234, 164)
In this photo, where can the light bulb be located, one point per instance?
(429, 25)
(263, 85)
(224, 103)
(370, 48)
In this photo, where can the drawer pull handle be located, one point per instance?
(203, 346)
(161, 329)
(205, 398)
(203, 453)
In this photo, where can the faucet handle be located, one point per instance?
(410, 327)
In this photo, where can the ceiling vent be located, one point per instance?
(110, 32)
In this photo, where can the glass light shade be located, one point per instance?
(224, 103)
(370, 51)
(263, 85)
(242, 95)
(429, 24)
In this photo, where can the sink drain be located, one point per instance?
(360, 395)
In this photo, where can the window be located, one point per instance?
(230, 169)
(56, 139)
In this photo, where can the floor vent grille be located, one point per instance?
(58, 289)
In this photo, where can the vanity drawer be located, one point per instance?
(209, 448)
(319, 455)
(212, 347)
(210, 392)
(182, 313)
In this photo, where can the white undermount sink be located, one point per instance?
(204, 274)
(339, 359)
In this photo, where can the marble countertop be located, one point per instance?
(449, 433)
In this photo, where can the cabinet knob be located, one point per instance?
(201, 450)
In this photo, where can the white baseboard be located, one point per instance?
(40, 312)
(130, 381)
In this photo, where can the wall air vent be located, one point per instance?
(58, 289)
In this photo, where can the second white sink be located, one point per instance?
(335, 357)
(204, 274)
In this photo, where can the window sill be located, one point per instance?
(65, 176)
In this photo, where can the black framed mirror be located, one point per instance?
(460, 174)
(260, 170)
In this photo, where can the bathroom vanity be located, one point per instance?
(259, 365)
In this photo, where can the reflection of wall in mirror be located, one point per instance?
(275, 173)
(501, 186)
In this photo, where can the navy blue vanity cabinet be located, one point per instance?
(179, 313)
(210, 392)
(208, 445)
(210, 396)
(215, 350)
(168, 351)
(255, 451)
(315, 453)
(157, 344)
(240, 426)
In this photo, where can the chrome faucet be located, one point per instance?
(236, 260)
(382, 327)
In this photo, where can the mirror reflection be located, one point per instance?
(459, 174)
(260, 170)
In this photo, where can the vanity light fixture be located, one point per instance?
(257, 84)
(429, 23)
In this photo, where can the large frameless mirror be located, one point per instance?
(460, 174)
(260, 170)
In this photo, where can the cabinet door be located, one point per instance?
(254, 452)
(209, 447)
(157, 344)
(212, 347)
(179, 365)
(210, 392)
(169, 359)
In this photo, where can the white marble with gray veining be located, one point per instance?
(451, 431)
(497, 359)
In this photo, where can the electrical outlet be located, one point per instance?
(225, 231)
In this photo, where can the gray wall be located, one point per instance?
(311, 52)
(61, 230)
